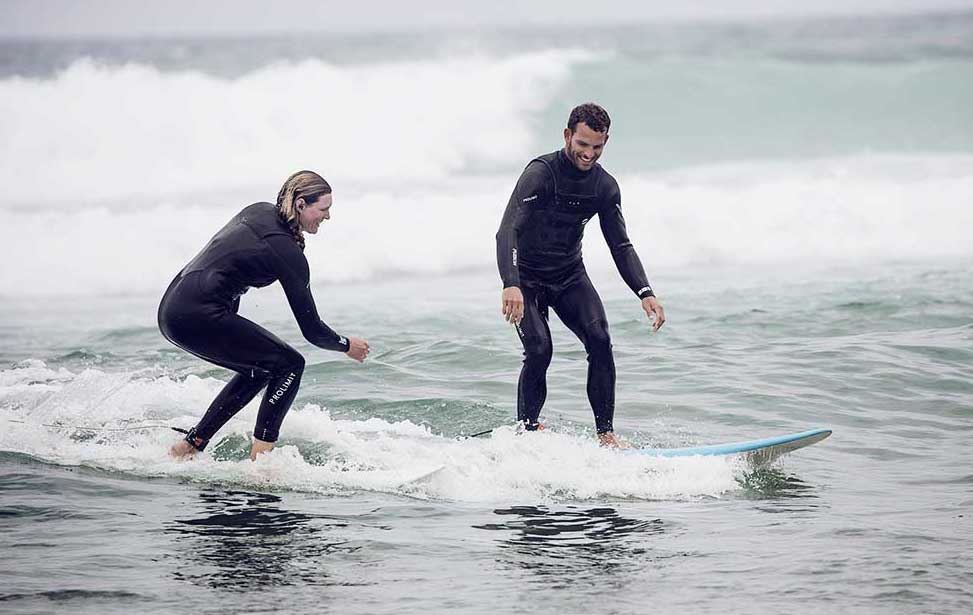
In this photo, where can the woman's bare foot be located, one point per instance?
(182, 450)
(259, 446)
(610, 440)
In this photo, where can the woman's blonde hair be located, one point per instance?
(304, 184)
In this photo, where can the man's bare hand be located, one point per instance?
(512, 304)
(357, 349)
(653, 309)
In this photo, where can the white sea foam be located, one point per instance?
(844, 211)
(849, 211)
(97, 133)
(41, 410)
(114, 177)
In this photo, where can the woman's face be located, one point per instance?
(311, 216)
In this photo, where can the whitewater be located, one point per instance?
(799, 194)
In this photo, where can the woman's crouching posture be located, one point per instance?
(262, 244)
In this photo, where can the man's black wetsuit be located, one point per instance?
(198, 313)
(539, 251)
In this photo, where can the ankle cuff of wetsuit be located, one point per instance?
(195, 441)
(532, 426)
(266, 435)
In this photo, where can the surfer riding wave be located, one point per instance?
(262, 244)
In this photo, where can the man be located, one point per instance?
(539, 257)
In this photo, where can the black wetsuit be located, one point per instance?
(539, 250)
(198, 313)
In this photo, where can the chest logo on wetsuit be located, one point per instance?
(585, 220)
(529, 199)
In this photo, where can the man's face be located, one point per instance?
(584, 146)
(311, 216)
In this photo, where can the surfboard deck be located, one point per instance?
(758, 452)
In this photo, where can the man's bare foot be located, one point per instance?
(259, 446)
(610, 440)
(182, 450)
(522, 427)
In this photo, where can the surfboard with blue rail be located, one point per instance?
(757, 452)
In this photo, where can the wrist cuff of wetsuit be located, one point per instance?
(195, 441)
(345, 342)
(646, 292)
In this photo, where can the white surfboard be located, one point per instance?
(423, 475)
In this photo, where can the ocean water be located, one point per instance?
(799, 192)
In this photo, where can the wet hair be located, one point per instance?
(591, 114)
(306, 185)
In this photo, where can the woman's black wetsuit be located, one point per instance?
(539, 251)
(198, 313)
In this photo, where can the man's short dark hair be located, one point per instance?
(591, 114)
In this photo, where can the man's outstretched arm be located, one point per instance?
(626, 259)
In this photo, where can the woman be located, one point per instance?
(262, 244)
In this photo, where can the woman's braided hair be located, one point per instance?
(304, 184)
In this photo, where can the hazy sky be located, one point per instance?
(140, 18)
